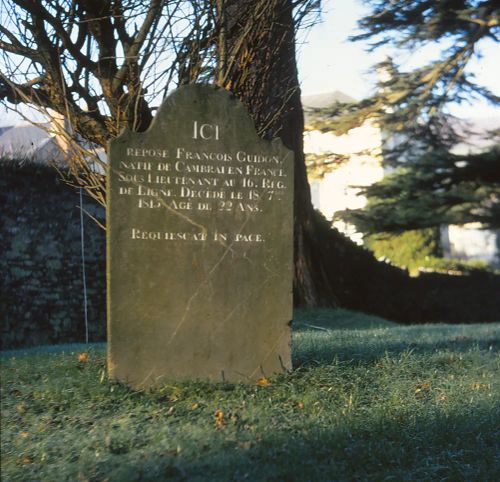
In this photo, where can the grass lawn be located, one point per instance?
(368, 400)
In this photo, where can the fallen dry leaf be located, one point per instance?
(480, 386)
(263, 382)
(424, 387)
(25, 459)
(83, 357)
(21, 407)
(219, 418)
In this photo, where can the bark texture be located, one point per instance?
(260, 69)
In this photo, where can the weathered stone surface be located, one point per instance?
(200, 246)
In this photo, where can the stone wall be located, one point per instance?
(41, 291)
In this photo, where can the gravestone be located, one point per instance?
(199, 246)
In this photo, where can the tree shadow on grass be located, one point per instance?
(443, 446)
(99, 347)
(325, 346)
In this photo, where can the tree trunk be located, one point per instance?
(260, 69)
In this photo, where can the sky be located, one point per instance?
(328, 61)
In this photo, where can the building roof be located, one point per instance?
(477, 134)
(326, 99)
(26, 141)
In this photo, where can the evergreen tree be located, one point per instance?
(429, 184)
(436, 189)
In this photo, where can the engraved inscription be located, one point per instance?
(201, 181)
(205, 131)
(195, 236)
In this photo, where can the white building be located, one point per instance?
(339, 188)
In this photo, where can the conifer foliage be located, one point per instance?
(430, 182)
